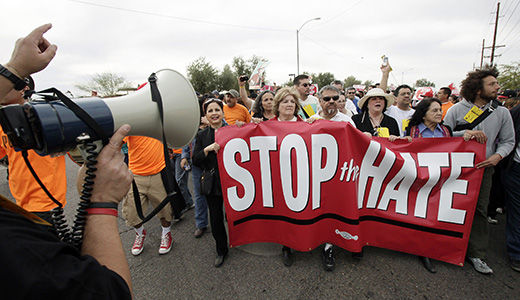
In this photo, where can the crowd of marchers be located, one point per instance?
(99, 267)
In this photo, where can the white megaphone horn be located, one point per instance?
(52, 127)
(180, 107)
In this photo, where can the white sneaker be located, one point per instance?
(480, 266)
(492, 221)
(138, 246)
(166, 243)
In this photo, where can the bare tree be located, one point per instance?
(106, 84)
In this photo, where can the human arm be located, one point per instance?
(256, 120)
(506, 135)
(101, 238)
(31, 54)
(384, 78)
(185, 155)
(243, 94)
(491, 161)
(478, 135)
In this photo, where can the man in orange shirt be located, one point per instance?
(234, 113)
(444, 95)
(146, 161)
(51, 171)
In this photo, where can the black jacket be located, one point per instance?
(203, 139)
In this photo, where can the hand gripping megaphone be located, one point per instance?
(51, 127)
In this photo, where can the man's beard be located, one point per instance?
(487, 97)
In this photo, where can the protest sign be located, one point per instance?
(301, 185)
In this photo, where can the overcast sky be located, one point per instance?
(438, 40)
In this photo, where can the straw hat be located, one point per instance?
(377, 92)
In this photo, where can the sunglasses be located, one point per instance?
(306, 84)
(211, 100)
(327, 99)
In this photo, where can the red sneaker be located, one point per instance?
(138, 246)
(166, 243)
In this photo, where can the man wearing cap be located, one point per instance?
(308, 103)
(444, 95)
(402, 112)
(234, 113)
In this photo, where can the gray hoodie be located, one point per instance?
(498, 127)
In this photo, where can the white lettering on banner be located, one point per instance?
(434, 162)
(239, 174)
(299, 202)
(454, 185)
(319, 174)
(377, 173)
(264, 144)
(353, 171)
(405, 178)
(321, 143)
(324, 169)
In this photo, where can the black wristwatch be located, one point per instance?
(19, 84)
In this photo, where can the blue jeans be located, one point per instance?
(201, 206)
(181, 176)
(511, 181)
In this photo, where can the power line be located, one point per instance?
(506, 10)
(512, 13)
(179, 18)
(512, 29)
(341, 13)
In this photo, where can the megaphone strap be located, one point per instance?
(170, 184)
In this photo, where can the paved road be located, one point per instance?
(187, 272)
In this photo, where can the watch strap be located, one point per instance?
(19, 83)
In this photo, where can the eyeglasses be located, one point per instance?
(327, 99)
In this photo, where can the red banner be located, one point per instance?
(301, 185)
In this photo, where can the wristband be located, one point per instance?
(19, 83)
(102, 211)
(112, 205)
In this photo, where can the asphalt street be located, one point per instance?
(187, 272)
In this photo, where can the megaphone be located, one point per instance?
(51, 127)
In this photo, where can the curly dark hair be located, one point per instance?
(420, 112)
(473, 82)
(258, 109)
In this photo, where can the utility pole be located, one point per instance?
(481, 54)
(495, 35)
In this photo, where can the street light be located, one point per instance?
(298, 44)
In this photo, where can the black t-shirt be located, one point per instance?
(35, 264)
(259, 115)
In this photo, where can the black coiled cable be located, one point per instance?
(60, 224)
(72, 237)
(81, 213)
